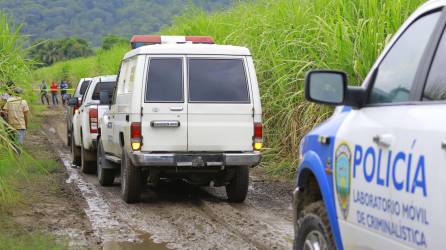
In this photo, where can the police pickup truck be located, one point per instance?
(373, 176)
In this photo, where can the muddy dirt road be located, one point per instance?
(178, 215)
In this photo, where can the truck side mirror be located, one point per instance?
(72, 102)
(104, 98)
(326, 87)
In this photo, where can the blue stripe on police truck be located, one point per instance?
(315, 158)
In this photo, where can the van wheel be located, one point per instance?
(313, 229)
(106, 173)
(75, 152)
(237, 189)
(87, 165)
(130, 180)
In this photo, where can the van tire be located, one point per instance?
(75, 152)
(87, 165)
(237, 189)
(313, 219)
(106, 176)
(130, 180)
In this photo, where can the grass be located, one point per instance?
(287, 38)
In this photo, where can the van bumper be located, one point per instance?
(142, 159)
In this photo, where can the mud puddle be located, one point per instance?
(178, 215)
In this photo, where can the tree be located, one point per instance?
(111, 40)
(51, 51)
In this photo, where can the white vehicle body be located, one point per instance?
(387, 187)
(188, 116)
(81, 88)
(86, 136)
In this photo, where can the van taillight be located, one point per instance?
(258, 136)
(135, 136)
(93, 116)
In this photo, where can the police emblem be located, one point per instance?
(342, 168)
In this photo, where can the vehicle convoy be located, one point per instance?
(86, 119)
(373, 176)
(184, 108)
(76, 100)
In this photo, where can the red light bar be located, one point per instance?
(142, 40)
(200, 39)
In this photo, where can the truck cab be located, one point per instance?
(184, 110)
(86, 120)
(372, 176)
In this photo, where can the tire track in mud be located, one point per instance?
(181, 216)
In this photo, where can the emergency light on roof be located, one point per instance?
(143, 40)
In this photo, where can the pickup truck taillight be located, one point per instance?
(258, 136)
(135, 136)
(93, 117)
(76, 107)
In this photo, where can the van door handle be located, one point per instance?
(384, 140)
(176, 108)
(443, 145)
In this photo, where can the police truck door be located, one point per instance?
(386, 148)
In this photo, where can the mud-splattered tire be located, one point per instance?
(68, 137)
(237, 189)
(313, 230)
(130, 180)
(88, 166)
(106, 173)
(75, 152)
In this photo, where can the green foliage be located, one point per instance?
(105, 62)
(91, 20)
(112, 40)
(51, 51)
(289, 37)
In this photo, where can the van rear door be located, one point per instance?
(220, 104)
(164, 114)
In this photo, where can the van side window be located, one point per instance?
(435, 89)
(84, 87)
(218, 80)
(165, 80)
(122, 77)
(397, 71)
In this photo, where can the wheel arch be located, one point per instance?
(314, 185)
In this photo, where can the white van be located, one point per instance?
(183, 110)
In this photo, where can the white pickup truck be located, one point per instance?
(183, 110)
(76, 100)
(86, 119)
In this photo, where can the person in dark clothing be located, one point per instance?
(63, 91)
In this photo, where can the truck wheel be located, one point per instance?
(106, 176)
(87, 166)
(130, 180)
(75, 152)
(237, 189)
(68, 137)
(313, 229)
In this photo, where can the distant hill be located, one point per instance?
(91, 20)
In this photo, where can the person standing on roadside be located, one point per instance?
(43, 87)
(63, 91)
(16, 111)
(54, 88)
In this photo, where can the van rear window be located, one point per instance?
(217, 80)
(103, 86)
(84, 87)
(165, 81)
